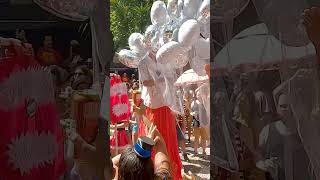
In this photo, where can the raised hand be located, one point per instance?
(153, 133)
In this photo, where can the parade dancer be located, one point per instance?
(157, 111)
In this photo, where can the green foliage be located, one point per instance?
(127, 17)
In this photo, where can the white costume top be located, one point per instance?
(152, 96)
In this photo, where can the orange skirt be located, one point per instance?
(165, 121)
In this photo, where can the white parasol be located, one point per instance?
(255, 47)
(189, 77)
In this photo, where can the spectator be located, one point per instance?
(82, 79)
(129, 165)
(74, 58)
(47, 55)
(125, 78)
(200, 120)
(181, 138)
(133, 78)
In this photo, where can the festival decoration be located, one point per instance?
(190, 8)
(172, 51)
(174, 8)
(128, 58)
(189, 32)
(158, 13)
(179, 35)
(175, 30)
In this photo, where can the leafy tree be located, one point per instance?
(127, 17)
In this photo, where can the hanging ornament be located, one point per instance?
(189, 33)
(136, 44)
(158, 13)
(197, 64)
(151, 38)
(190, 9)
(202, 48)
(128, 58)
(172, 53)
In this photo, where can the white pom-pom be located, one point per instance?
(198, 65)
(202, 47)
(173, 8)
(151, 37)
(172, 53)
(128, 58)
(158, 13)
(190, 8)
(136, 44)
(189, 33)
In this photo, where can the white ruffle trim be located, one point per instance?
(120, 109)
(32, 150)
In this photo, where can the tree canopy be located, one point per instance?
(127, 17)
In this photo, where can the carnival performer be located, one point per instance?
(157, 111)
(120, 113)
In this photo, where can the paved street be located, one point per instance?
(199, 166)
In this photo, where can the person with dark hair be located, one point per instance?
(47, 55)
(125, 78)
(132, 165)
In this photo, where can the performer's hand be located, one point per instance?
(153, 133)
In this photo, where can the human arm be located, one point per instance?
(161, 160)
(119, 126)
(132, 121)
